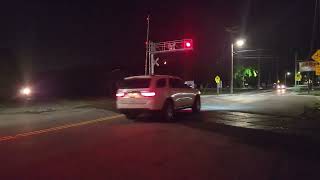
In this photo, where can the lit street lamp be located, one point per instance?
(285, 77)
(239, 43)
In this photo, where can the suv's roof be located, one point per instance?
(151, 76)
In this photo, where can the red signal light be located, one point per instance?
(187, 43)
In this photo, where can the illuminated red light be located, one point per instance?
(187, 43)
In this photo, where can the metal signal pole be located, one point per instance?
(295, 68)
(259, 71)
(147, 46)
(231, 78)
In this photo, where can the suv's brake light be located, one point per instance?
(120, 94)
(148, 94)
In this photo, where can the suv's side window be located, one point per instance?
(176, 83)
(161, 83)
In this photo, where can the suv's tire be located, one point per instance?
(131, 115)
(196, 107)
(168, 111)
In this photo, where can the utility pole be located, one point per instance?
(277, 68)
(285, 78)
(295, 68)
(147, 47)
(259, 71)
(314, 27)
(149, 56)
(231, 78)
(308, 82)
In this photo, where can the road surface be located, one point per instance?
(120, 149)
(282, 103)
(88, 142)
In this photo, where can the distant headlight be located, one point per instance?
(26, 91)
(283, 86)
(278, 86)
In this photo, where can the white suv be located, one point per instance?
(162, 93)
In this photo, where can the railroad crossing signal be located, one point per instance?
(187, 44)
(156, 62)
(166, 47)
(171, 46)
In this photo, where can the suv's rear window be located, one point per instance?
(135, 83)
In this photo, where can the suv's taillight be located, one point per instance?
(148, 94)
(120, 94)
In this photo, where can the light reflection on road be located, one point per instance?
(282, 102)
(281, 91)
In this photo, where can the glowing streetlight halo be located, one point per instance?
(240, 42)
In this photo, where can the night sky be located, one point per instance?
(51, 35)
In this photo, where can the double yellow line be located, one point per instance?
(31, 133)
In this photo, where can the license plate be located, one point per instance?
(134, 95)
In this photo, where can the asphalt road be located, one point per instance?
(117, 148)
(282, 103)
(95, 143)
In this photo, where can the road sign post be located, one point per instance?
(218, 81)
(298, 77)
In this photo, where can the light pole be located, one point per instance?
(147, 46)
(239, 43)
(295, 68)
(285, 77)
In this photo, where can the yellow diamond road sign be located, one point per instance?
(316, 56)
(298, 77)
(317, 70)
(217, 79)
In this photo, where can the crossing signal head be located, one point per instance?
(187, 43)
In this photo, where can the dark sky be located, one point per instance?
(48, 35)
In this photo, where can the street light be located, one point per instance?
(285, 77)
(239, 43)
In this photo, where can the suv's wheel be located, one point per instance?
(131, 115)
(196, 107)
(168, 111)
